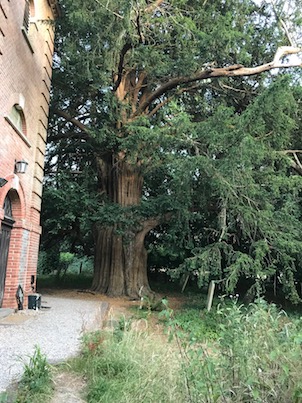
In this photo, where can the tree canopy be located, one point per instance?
(171, 130)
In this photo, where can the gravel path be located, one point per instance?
(56, 330)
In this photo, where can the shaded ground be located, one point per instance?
(121, 304)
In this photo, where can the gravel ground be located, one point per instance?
(57, 330)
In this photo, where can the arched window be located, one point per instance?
(16, 117)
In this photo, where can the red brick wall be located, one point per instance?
(25, 78)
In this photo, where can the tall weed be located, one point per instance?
(234, 354)
(134, 368)
(256, 358)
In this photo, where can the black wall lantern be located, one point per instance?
(20, 167)
(2, 182)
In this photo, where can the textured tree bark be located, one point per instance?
(120, 263)
(120, 267)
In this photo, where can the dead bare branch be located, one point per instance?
(296, 163)
(296, 167)
(283, 24)
(237, 70)
(292, 151)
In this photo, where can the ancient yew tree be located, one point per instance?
(138, 88)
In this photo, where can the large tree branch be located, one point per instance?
(296, 163)
(153, 222)
(118, 79)
(296, 167)
(237, 70)
(74, 121)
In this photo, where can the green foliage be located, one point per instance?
(77, 270)
(77, 264)
(232, 354)
(153, 303)
(70, 281)
(81, 264)
(36, 382)
(200, 326)
(255, 356)
(66, 258)
(210, 154)
(253, 232)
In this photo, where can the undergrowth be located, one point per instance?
(240, 354)
(231, 354)
(129, 366)
(35, 385)
(234, 353)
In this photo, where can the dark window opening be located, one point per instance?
(7, 207)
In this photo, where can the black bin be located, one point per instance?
(34, 301)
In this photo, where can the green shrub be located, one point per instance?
(199, 325)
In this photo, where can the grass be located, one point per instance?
(35, 385)
(255, 355)
(232, 354)
(129, 366)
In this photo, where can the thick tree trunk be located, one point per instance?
(120, 264)
(120, 267)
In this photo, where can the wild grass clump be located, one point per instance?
(132, 367)
(256, 357)
(36, 383)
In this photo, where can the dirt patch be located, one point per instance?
(121, 305)
(69, 388)
(14, 319)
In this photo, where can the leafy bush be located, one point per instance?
(198, 325)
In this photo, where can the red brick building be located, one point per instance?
(26, 49)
